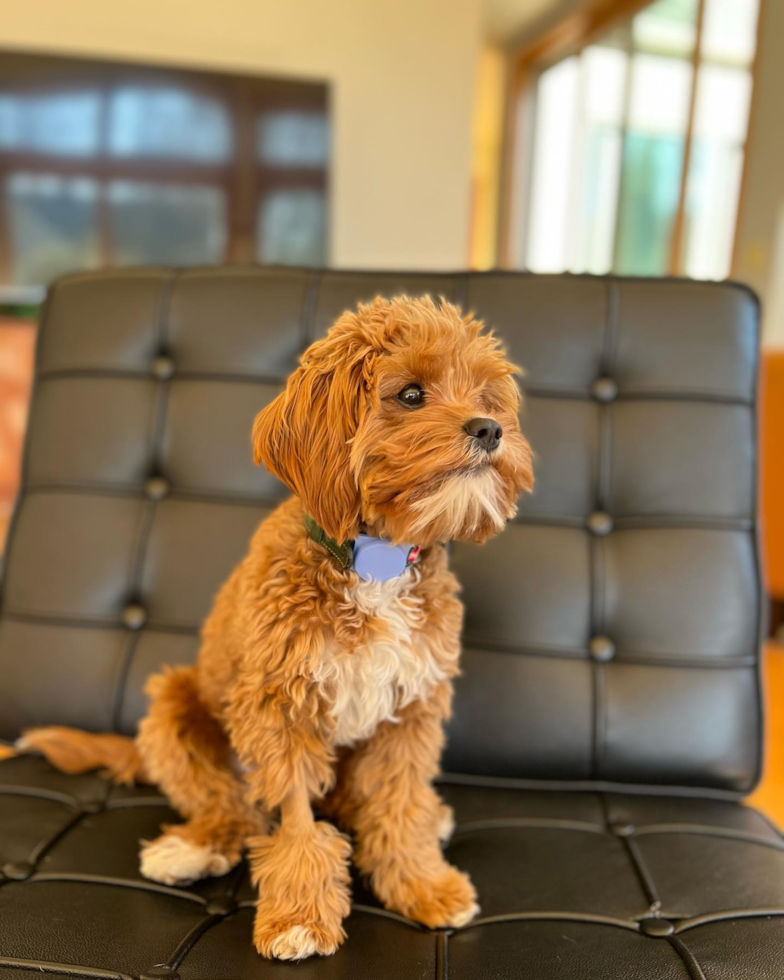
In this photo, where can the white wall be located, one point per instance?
(402, 75)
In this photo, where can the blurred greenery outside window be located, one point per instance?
(638, 145)
(112, 165)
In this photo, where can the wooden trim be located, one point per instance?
(676, 239)
(517, 84)
(572, 32)
(623, 132)
(106, 250)
(242, 195)
(746, 145)
(150, 169)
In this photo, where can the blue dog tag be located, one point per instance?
(377, 560)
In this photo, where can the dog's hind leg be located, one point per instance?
(187, 754)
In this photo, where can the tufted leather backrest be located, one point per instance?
(611, 633)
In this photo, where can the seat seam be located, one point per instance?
(73, 802)
(192, 937)
(707, 396)
(42, 848)
(543, 823)
(643, 874)
(97, 623)
(114, 882)
(638, 522)
(598, 585)
(629, 522)
(544, 392)
(551, 916)
(121, 679)
(183, 374)
(441, 955)
(612, 325)
(726, 833)
(688, 959)
(46, 966)
(684, 925)
(591, 786)
(639, 868)
(136, 492)
(149, 508)
(469, 642)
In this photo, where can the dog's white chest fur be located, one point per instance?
(370, 684)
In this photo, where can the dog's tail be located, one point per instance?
(73, 751)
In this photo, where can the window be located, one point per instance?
(638, 143)
(106, 164)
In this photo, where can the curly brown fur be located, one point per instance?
(312, 685)
(72, 751)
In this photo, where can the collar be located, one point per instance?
(373, 559)
(344, 553)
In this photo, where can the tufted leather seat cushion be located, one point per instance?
(608, 714)
(573, 885)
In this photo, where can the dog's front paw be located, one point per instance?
(172, 860)
(447, 899)
(294, 941)
(303, 881)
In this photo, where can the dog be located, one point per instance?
(325, 671)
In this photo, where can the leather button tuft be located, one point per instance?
(602, 649)
(622, 829)
(157, 487)
(220, 906)
(134, 616)
(163, 367)
(17, 870)
(657, 928)
(604, 390)
(160, 972)
(600, 523)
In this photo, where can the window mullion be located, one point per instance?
(106, 248)
(624, 132)
(676, 241)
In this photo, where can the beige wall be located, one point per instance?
(402, 74)
(760, 246)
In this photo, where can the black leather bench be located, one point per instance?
(608, 720)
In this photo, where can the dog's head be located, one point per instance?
(403, 418)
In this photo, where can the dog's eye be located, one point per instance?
(412, 396)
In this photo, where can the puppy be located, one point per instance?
(325, 671)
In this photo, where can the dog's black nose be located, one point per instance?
(487, 432)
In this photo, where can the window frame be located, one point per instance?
(567, 37)
(243, 178)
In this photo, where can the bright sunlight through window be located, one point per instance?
(638, 145)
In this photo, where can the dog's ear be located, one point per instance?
(304, 436)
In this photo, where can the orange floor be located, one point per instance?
(769, 797)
